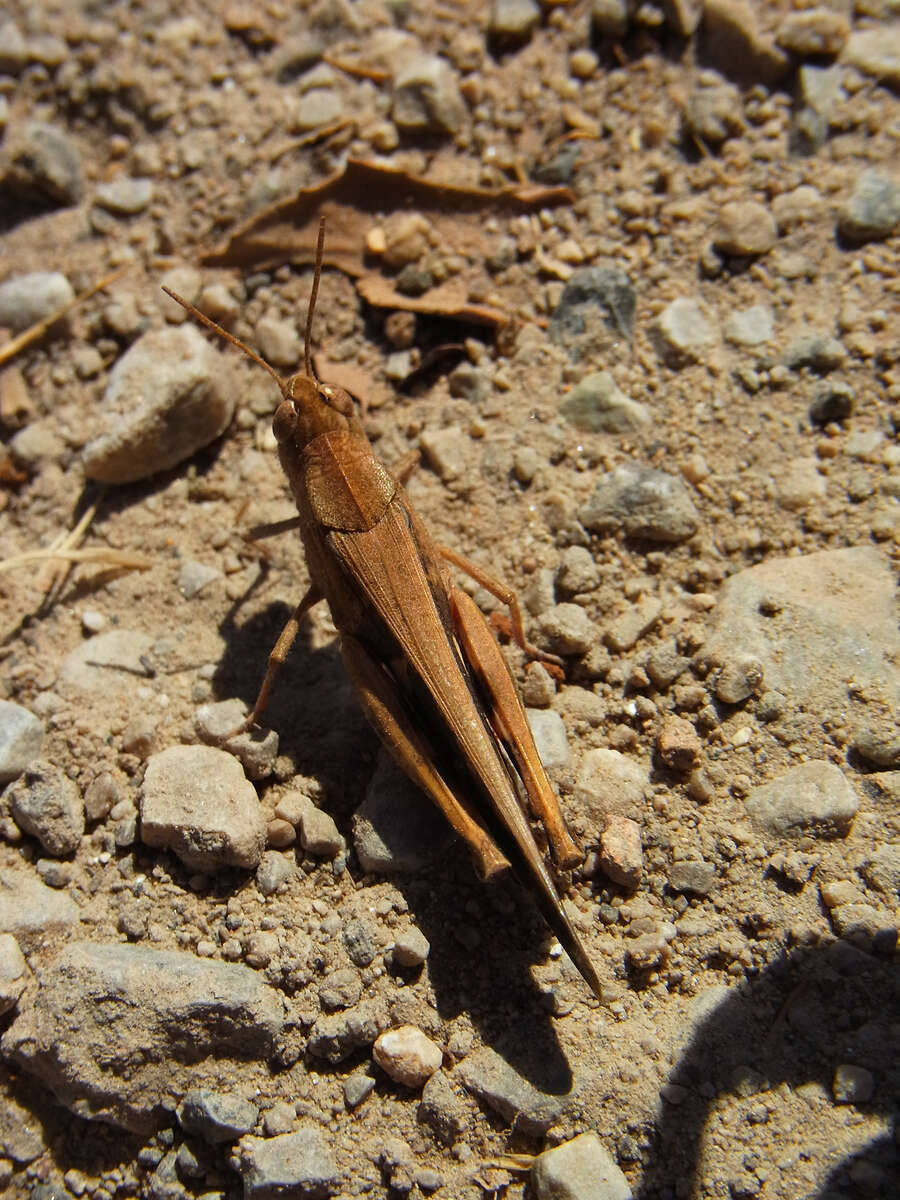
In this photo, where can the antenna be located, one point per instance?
(320, 247)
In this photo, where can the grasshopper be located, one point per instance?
(421, 655)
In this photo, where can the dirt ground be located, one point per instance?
(723, 166)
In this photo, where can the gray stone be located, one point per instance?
(740, 678)
(578, 571)
(549, 732)
(468, 382)
(360, 942)
(273, 871)
(822, 90)
(21, 1133)
(279, 342)
(491, 1078)
(812, 798)
(341, 989)
(298, 1164)
(820, 351)
(685, 331)
(447, 451)
(357, 1088)
(630, 626)
(43, 165)
(106, 664)
(26, 299)
(216, 1116)
(169, 396)
(514, 20)
(610, 17)
(442, 1108)
(315, 108)
(879, 742)
(591, 294)
(46, 804)
(816, 33)
(745, 228)
(581, 1169)
(218, 723)
(426, 95)
(873, 210)
(598, 405)
(124, 196)
(194, 576)
(29, 910)
(319, 835)
(875, 52)
(116, 1031)
(13, 48)
(881, 870)
(411, 948)
(397, 829)
(335, 1036)
(714, 113)
(852, 1084)
(750, 326)
(731, 42)
(643, 503)
(21, 738)
(14, 972)
(567, 629)
(832, 403)
(609, 782)
(692, 875)
(197, 802)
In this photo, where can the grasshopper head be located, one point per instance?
(309, 409)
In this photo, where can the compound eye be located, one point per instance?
(284, 423)
(337, 398)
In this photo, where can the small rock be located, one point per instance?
(30, 911)
(592, 293)
(194, 576)
(643, 503)
(357, 1088)
(819, 351)
(621, 856)
(298, 1164)
(608, 783)
(873, 211)
(216, 1116)
(677, 744)
(21, 738)
(630, 626)
(13, 972)
(813, 798)
(45, 803)
(879, 742)
(279, 342)
(315, 108)
(567, 629)
(580, 1169)
(852, 1084)
(360, 942)
(520, 1104)
(797, 207)
(335, 1036)
(397, 829)
(185, 282)
(739, 679)
(550, 738)
(598, 405)
(610, 18)
(442, 1109)
(875, 52)
(447, 451)
(732, 43)
(744, 228)
(125, 196)
(750, 326)
(196, 801)
(168, 396)
(273, 871)
(832, 403)
(43, 165)
(714, 113)
(513, 20)
(578, 572)
(815, 33)
(468, 382)
(13, 48)
(319, 835)
(426, 96)
(692, 875)
(411, 948)
(685, 331)
(340, 989)
(800, 484)
(27, 299)
(407, 1055)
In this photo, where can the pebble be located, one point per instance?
(678, 744)
(609, 782)
(27, 299)
(397, 829)
(686, 331)
(550, 738)
(273, 872)
(319, 835)
(335, 1036)
(185, 282)
(46, 804)
(357, 1088)
(298, 1164)
(797, 207)
(832, 403)
(411, 948)
(578, 572)
(745, 228)
(442, 1109)
(580, 1169)
(340, 989)
(621, 855)
(875, 52)
(407, 1055)
(125, 196)
(197, 802)
(513, 20)
(642, 503)
(14, 972)
(740, 678)
(30, 910)
(815, 33)
(121, 1073)
(627, 629)
(21, 739)
(566, 629)
(22, 1140)
(44, 165)
(692, 875)
(610, 18)
(194, 576)
(750, 326)
(167, 397)
(872, 212)
(13, 48)
(879, 742)
(447, 451)
(852, 1084)
(598, 405)
(606, 292)
(814, 798)
(468, 382)
(279, 342)
(315, 108)
(216, 723)
(714, 113)
(819, 351)
(734, 45)
(360, 942)
(800, 485)
(216, 1116)
(488, 1075)
(426, 95)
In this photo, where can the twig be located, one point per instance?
(115, 558)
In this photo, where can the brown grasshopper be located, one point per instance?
(421, 655)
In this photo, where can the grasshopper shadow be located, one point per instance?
(794, 1024)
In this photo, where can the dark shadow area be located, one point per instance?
(795, 1023)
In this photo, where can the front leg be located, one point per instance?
(279, 653)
